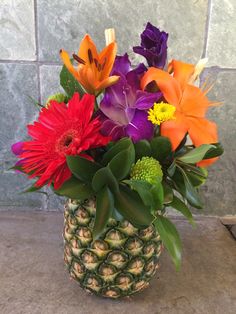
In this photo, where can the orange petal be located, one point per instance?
(107, 82)
(175, 130)
(66, 60)
(107, 57)
(86, 45)
(165, 82)
(182, 71)
(202, 131)
(194, 102)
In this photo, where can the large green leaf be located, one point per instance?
(168, 193)
(104, 177)
(190, 191)
(161, 147)
(142, 148)
(182, 207)
(144, 190)
(75, 189)
(197, 154)
(121, 163)
(196, 179)
(104, 209)
(82, 168)
(170, 237)
(122, 144)
(214, 152)
(131, 207)
(70, 84)
(157, 192)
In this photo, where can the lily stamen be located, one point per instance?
(90, 55)
(78, 59)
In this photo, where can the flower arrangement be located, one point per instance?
(123, 143)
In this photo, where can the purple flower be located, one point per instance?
(17, 150)
(153, 46)
(124, 105)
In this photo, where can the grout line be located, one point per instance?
(32, 62)
(209, 8)
(44, 197)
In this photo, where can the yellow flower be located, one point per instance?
(161, 112)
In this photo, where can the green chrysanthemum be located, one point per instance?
(57, 97)
(147, 169)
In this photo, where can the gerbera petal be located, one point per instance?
(168, 85)
(175, 130)
(182, 71)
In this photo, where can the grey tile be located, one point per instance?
(55, 202)
(219, 193)
(221, 47)
(17, 30)
(11, 186)
(50, 81)
(17, 83)
(62, 24)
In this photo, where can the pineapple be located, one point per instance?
(119, 263)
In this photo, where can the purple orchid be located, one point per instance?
(124, 106)
(153, 46)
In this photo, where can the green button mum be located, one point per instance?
(147, 169)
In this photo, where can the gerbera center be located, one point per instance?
(161, 112)
(63, 145)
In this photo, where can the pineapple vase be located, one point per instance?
(119, 263)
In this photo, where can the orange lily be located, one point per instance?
(191, 105)
(93, 68)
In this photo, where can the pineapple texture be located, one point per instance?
(120, 263)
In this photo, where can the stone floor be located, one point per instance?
(33, 279)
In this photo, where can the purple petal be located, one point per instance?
(17, 148)
(145, 100)
(109, 128)
(121, 65)
(140, 128)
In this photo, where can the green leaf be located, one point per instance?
(75, 189)
(34, 188)
(161, 147)
(82, 168)
(121, 163)
(182, 207)
(214, 152)
(131, 207)
(171, 169)
(195, 155)
(104, 209)
(196, 179)
(144, 190)
(104, 177)
(190, 192)
(168, 193)
(157, 192)
(122, 144)
(170, 237)
(70, 84)
(142, 148)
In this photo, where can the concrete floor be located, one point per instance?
(33, 279)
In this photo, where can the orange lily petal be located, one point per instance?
(107, 82)
(86, 45)
(66, 60)
(194, 102)
(202, 131)
(107, 57)
(182, 71)
(175, 130)
(165, 82)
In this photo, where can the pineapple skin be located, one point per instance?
(119, 263)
